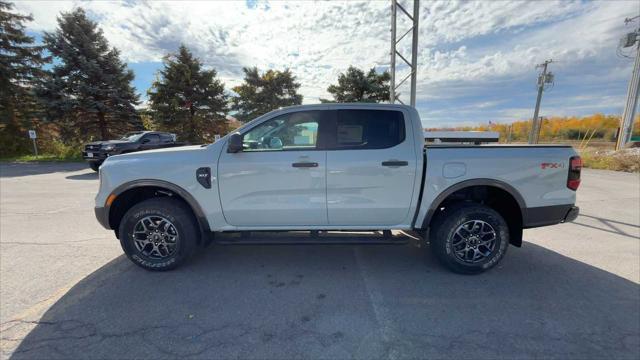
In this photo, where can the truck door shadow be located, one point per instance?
(337, 302)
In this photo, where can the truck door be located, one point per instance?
(371, 168)
(279, 179)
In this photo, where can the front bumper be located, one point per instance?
(102, 214)
(96, 155)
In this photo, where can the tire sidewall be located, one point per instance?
(463, 215)
(181, 223)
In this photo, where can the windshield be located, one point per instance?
(132, 136)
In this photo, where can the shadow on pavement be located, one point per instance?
(609, 225)
(341, 302)
(86, 176)
(16, 169)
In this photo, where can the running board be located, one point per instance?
(312, 242)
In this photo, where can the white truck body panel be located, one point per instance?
(348, 190)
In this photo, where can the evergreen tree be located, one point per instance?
(355, 86)
(187, 99)
(20, 73)
(90, 91)
(260, 94)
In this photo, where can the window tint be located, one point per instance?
(166, 138)
(294, 131)
(369, 129)
(151, 139)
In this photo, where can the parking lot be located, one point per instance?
(67, 291)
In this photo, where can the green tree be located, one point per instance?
(260, 94)
(90, 91)
(20, 73)
(355, 86)
(187, 99)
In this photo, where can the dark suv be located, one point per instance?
(96, 152)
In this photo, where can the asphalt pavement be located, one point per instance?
(67, 291)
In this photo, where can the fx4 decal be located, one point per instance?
(545, 166)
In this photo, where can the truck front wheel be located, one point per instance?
(159, 233)
(94, 165)
(469, 238)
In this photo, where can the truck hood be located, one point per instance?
(163, 152)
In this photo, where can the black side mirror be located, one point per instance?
(235, 143)
(144, 141)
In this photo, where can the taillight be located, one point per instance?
(575, 166)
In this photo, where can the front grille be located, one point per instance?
(92, 147)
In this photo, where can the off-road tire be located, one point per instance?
(441, 237)
(180, 216)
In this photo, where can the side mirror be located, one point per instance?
(144, 141)
(235, 143)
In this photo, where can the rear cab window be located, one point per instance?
(368, 129)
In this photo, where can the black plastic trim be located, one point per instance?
(203, 175)
(197, 210)
(572, 214)
(103, 216)
(469, 183)
(549, 215)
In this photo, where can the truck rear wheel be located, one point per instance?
(469, 238)
(159, 233)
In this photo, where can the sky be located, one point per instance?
(476, 59)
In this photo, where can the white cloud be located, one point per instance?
(466, 48)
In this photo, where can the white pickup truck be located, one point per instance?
(337, 167)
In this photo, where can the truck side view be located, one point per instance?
(337, 167)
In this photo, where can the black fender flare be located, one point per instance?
(171, 187)
(469, 183)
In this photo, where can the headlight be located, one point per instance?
(109, 147)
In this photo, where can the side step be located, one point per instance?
(311, 238)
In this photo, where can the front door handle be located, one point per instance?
(304, 164)
(395, 163)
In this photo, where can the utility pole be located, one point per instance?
(626, 122)
(543, 79)
(413, 65)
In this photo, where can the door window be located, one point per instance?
(369, 129)
(293, 131)
(151, 139)
(166, 138)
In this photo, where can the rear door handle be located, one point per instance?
(304, 164)
(395, 163)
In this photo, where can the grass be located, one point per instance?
(624, 160)
(42, 157)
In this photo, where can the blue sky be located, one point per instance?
(476, 59)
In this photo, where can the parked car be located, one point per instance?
(97, 152)
(337, 167)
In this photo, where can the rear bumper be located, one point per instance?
(550, 215)
(102, 214)
(572, 214)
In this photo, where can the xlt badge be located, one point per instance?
(203, 175)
